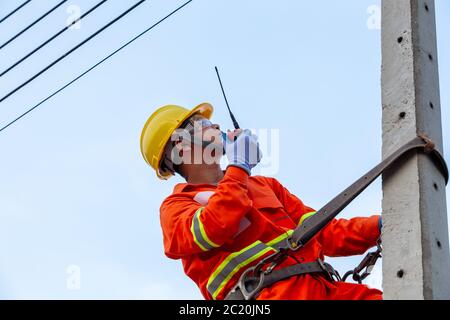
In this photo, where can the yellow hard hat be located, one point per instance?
(159, 128)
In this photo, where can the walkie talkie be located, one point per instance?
(235, 123)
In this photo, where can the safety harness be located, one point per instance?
(263, 275)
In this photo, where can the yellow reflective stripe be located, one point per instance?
(227, 260)
(199, 234)
(233, 262)
(203, 232)
(280, 238)
(240, 266)
(195, 237)
(306, 216)
(237, 267)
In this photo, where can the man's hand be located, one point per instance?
(242, 149)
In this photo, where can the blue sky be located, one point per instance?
(75, 190)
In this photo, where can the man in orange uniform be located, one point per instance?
(220, 223)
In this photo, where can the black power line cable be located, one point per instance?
(52, 38)
(14, 11)
(94, 66)
(32, 24)
(72, 50)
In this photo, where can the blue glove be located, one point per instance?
(380, 224)
(244, 152)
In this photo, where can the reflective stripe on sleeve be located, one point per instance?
(199, 233)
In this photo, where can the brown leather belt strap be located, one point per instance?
(252, 286)
(315, 223)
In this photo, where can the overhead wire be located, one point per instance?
(65, 55)
(32, 24)
(52, 38)
(93, 67)
(15, 10)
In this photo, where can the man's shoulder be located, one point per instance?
(185, 194)
(263, 179)
(178, 196)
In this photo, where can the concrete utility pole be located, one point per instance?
(416, 259)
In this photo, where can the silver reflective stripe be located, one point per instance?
(239, 260)
(200, 237)
(233, 263)
(281, 241)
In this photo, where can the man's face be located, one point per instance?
(204, 130)
(199, 141)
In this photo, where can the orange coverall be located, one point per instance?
(220, 231)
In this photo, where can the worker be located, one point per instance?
(221, 223)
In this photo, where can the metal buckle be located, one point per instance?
(333, 274)
(370, 262)
(274, 259)
(258, 273)
(241, 285)
(294, 246)
(366, 266)
(324, 268)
